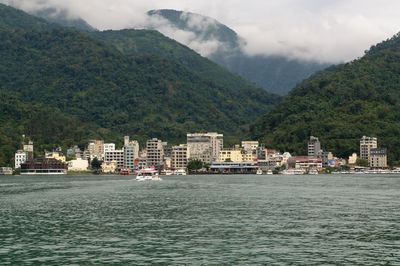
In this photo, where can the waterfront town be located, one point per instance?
(203, 150)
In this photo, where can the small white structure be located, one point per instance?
(78, 165)
(6, 171)
(109, 167)
(20, 158)
(109, 147)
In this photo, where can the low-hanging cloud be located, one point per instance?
(328, 31)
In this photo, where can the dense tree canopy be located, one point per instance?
(340, 105)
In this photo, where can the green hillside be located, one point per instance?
(275, 73)
(340, 105)
(146, 42)
(11, 18)
(144, 96)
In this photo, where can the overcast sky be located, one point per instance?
(325, 30)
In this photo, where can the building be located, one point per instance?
(55, 155)
(305, 163)
(155, 153)
(250, 145)
(325, 156)
(116, 155)
(378, 158)
(234, 167)
(109, 167)
(20, 158)
(353, 159)
(96, 148)
(314, 147)
(78, 165)
(44, 166)
(179, 158)
(366, 144)
(109, 147)
(6, 171)
(204, 146)
(75, 151)
(131, 153)
(236, 155)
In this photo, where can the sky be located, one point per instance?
(329, 31)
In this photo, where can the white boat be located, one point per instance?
(180, 172)
(293, 172)
(166, 172)
(259, 172)
(147, 174)
(395, 171)
(313, 172)
(269, 172)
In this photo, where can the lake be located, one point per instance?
(238, 219)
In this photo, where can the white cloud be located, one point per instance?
(329, 30)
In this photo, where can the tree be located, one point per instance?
(362, 162)
(96, 164)
(195, 165)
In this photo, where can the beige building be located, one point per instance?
(366, 144)
(96, 147)
(109, 167)
(155, 153)
(378, 158)
(204, 146)
(353, 158)
(55, 155)
(78, 165)
(179, 157)
(236, 155)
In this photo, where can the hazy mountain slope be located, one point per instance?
(341, 105)
(141, 42)
(11, 18)
(62, 18)
(276, 73)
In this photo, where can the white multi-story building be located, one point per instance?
(250, 145)
(116, 155)
(205, 146)
(109, 147)
(179, 157)
(366, 144)
(20, 158)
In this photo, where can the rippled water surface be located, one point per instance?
(200, 220)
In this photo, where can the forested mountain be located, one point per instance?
(277, 74)
(62, 87)
(146, 42)
(11, 18)
(340, 105)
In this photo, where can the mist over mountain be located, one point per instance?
(61, 86)
(221, 44)
(62, 18)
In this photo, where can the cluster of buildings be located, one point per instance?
(248, 157)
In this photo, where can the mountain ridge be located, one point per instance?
(275, 73)
(340, 105)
